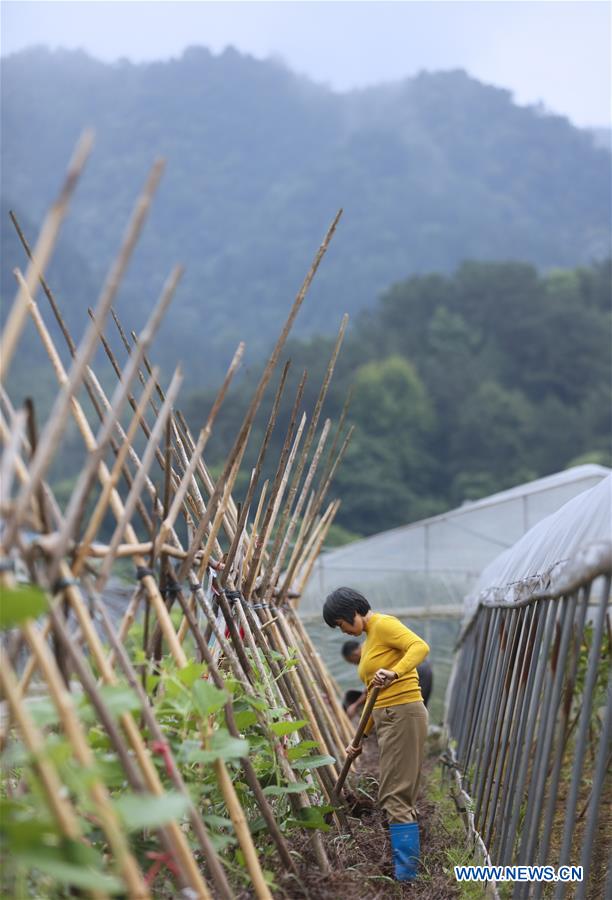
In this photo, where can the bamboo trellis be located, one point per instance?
(222, 596)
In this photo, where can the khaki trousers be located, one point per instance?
(401, 732)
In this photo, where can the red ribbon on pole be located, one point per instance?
(163, 748)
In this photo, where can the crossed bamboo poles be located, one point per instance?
(260, 621)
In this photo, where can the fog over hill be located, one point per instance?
(430, 171)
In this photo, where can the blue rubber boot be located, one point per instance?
(405, 845)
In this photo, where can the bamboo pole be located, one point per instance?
(295, 698)
(175, 647)
(117, 369)
(212, 859)
(115, 474)
(220, 503)
(52, 433)
(89, 376)
(117, 507)
(301, 799)
(104, 404)
(249, 770)
(328, 688)
(307, 700)
(218, 519)
(274, 492)
(99, 794)
(183, 434)
(304, 524)
(43, 510)
(317, 503)
(275, 509)
(42, 253)
(241, 828)
(237, 451)
(138, 484)
(79, 495)
(279, 556)
(9, 457)
(188, 475)
(251, 546)
(6, 434)
(312, 685)
(55, 797)
(308, 565)
(205, 475)
(332, 450)
(303, 456)
(241, 523)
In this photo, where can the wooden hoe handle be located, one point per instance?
(363, 721)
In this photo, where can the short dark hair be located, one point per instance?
(349, 647)
(344, 603)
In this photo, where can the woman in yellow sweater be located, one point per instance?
(389, 657)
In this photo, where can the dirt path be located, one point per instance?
(362, 864)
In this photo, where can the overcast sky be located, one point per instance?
(553, 52)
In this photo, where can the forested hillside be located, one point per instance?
(430, 171)
(463, 385)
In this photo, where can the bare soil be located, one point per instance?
(362, 867)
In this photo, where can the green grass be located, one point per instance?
(453, 849)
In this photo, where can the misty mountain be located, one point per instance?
(602, 137)
(430, 171)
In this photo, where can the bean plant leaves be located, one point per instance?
(217, 821)
(312, 762)
(19, 604)
(207, 698)
(302, 749)
(277, 711)
(221, 746)
(221, 842)
(151, 682)
(19, 830)
(119, 699)
(67, 873)
(43, 711)
(148, 811)
(279, 790)
(281, 728)
(245, 718)
(191, 673)
(313, 817)
(256, 702)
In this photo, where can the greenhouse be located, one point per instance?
(428, 567)
(542, 555)
(528, 713)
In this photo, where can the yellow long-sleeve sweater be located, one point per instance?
(390, 645)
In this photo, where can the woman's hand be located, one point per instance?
(384, 677)
(352, 752)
